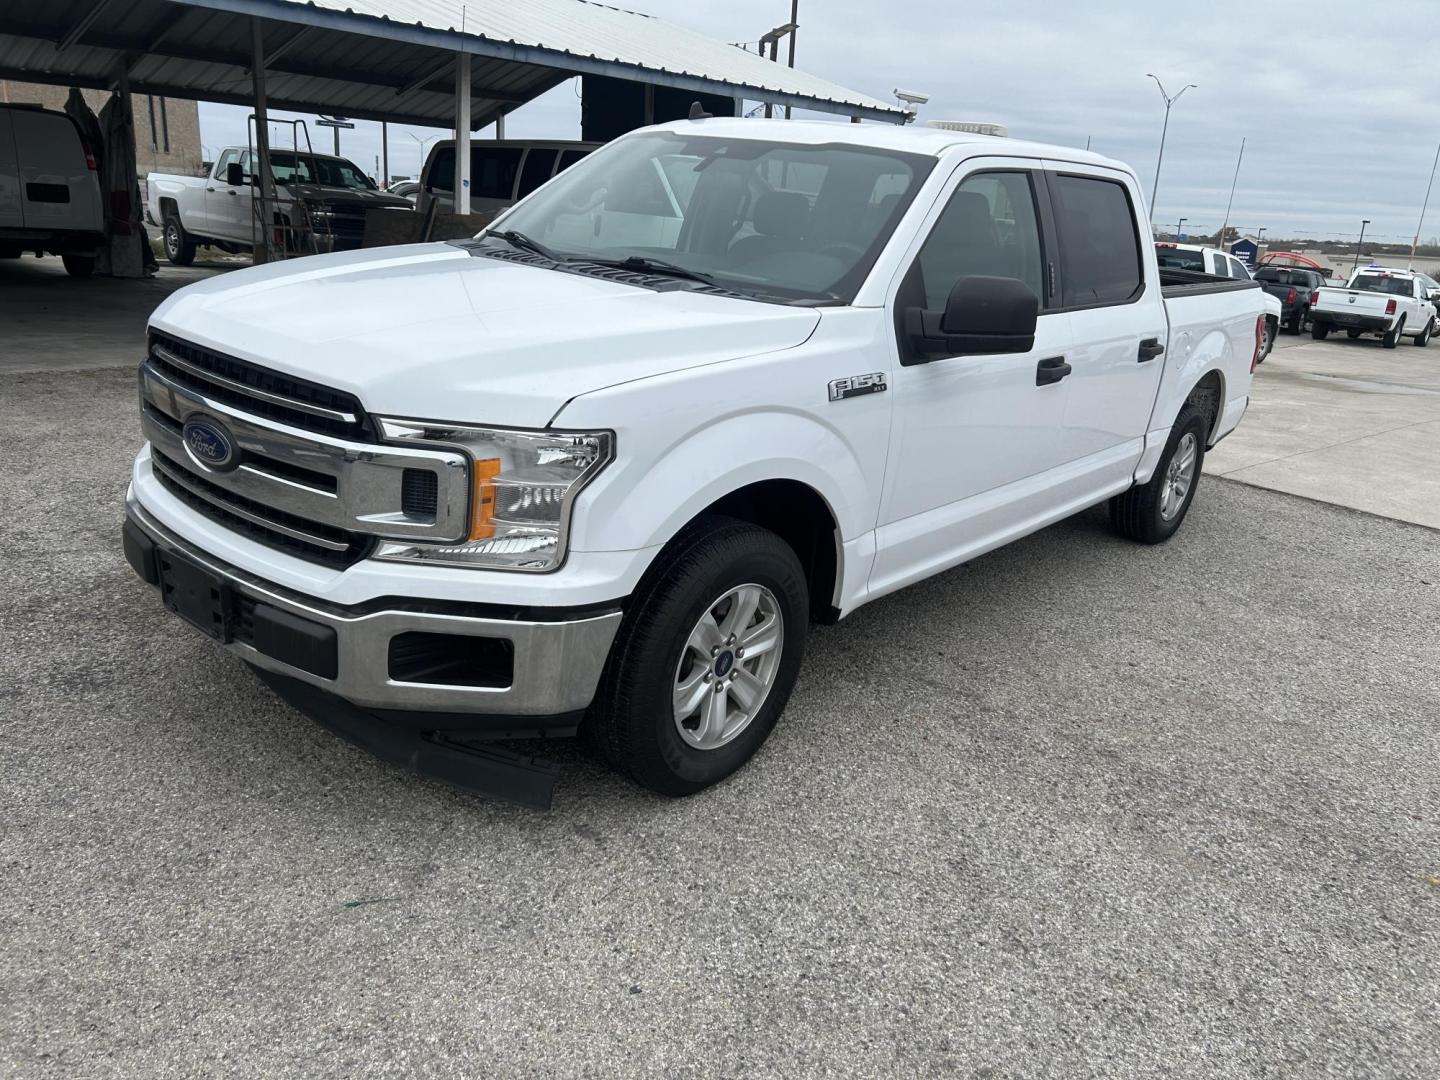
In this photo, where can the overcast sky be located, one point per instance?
(1337, 100)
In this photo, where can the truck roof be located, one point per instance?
(907, 139)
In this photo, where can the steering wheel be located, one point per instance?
(841, 247)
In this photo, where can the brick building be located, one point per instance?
(167, 130)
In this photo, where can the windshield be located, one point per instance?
(304, 169)
(1376, 283)
(778, 220)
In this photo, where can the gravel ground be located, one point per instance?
(1078, 809)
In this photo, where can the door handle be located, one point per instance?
(1051, 370)
(1150, 348)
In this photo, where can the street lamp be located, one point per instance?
(1180, 229)
(423, 143)
(1168, 102)
(1358, 243)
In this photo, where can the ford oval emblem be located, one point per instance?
(209, 444)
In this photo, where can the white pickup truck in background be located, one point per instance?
(554, 480)
(1378, 300)
(322, 203)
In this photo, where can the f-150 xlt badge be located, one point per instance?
(855, 385)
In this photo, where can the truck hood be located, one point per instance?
(432, 332)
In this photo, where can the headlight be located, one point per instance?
(522, 485)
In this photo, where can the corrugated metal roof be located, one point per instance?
(387, 59)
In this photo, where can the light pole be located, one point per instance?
(1154, 191)
(1358, 243)
(1423, 207)
(422, 143)
(1180, 229)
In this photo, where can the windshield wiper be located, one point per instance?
(517, 239)
(660, 266)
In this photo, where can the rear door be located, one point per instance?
(58, 188)
(1117, 323)
(10, 215)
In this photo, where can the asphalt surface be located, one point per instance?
(1081, 808)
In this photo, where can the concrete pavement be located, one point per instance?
(1345, 422)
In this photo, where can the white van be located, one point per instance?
(49, 189)
(502, 171)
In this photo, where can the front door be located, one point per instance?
(975, 437)
(227, 206)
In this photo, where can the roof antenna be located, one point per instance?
(697, 112)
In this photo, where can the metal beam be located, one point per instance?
(262, 135)
(428, 77)
(349, 22)
(82, 24)
(462, 134)
(288, 44)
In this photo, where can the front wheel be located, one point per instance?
(705, 659)
(1153, 512)
(1353, 335)
(78, 265)
(179, 245)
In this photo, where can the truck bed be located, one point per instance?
(1176, 284)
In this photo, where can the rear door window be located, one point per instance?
(492, 171)
(1099, 244)
(539, 164)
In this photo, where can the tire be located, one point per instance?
(1423, 338)
(1319, 331)
(1392, 337)
(1149, 514)
(1353, 335)
(79, 265)
(635, 723)
(1297, 322)
(1271, 325)
(179, 245)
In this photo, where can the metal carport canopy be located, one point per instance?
(388, 59)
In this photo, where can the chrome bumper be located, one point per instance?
(556, 664)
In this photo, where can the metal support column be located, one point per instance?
(384, 155)
(264, 247)
(462, 134)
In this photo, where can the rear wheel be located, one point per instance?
(705, 659)
(179, 245)
(1297, 321)
(1268, 341)
(79, 265)
(1424, 337)
(1319, 331)
(1153, 512)
(1392, 337)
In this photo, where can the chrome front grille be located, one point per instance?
(292, 482)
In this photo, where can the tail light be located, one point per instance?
(1290, 296)
(1315, 298)
(1259, 342)
(89, 155)
(1390, 307)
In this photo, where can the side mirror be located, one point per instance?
(982, 316)
(234, 174)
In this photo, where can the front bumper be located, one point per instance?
(535, 671)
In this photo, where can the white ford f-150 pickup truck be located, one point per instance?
(1378, 300)
(597, 470)
(320, 206)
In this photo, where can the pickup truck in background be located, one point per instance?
(1295, 287)
(554, 480)
(49, 189)
(322, 202)
(1390, 303)
(1197, 258)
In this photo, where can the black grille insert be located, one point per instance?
(420, 494)
(262, 379)
(209, 495)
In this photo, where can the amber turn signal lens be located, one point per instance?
(482, 502)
